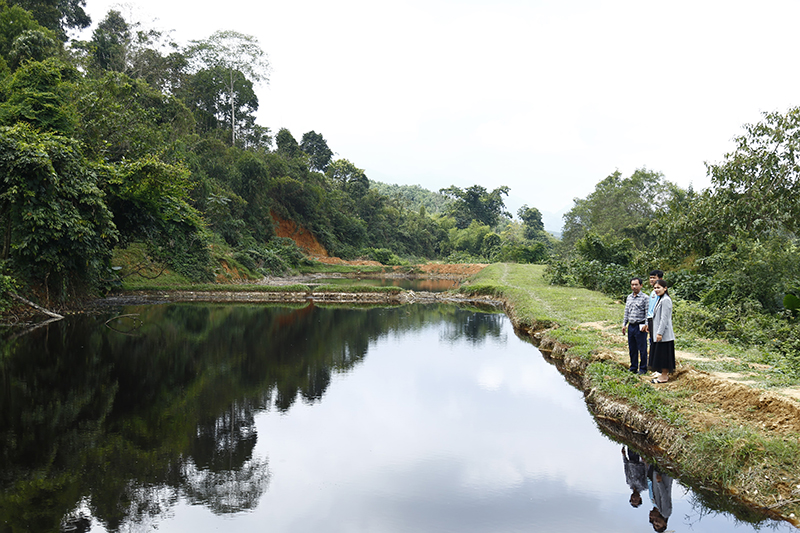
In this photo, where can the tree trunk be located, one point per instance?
(37, 307)
(233, 113)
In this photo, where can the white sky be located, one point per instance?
(546, 97)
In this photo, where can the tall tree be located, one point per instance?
(620, 208)
(476, 203)
(316, 147)
(531, 221)
(111, 41)
(286, 144)
(237, 53)
(208, 92)
(349, 177)
(57, 15)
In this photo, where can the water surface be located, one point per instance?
(294, 419)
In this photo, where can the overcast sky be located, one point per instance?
(546, 97)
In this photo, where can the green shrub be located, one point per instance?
(383, 256)
(558, 272)
(523, 253)
(7, 284)
(246, 260)
(688, 284)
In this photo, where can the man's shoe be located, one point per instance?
(642, 372)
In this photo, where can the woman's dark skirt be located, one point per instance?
(663, 356)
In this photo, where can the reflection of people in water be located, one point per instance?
(660, 486)
(635, 475)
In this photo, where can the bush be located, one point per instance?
(688, 284)
(383, 256)
(522, 253)
(7, 284)
(558, 272)
(272, 264)
(610, 279)
(749, 270)
(288, 250)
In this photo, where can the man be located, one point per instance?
(635, 475)
(634, 322)
(655, 275)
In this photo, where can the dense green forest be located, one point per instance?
(128, 139)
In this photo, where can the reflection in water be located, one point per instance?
(660, 487)
(635, 475)
(641, 476)
(221, 471)
(123, 420)
(451, 424)
(476, 328)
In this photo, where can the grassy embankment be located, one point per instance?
(737, 453)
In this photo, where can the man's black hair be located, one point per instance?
(657, 273)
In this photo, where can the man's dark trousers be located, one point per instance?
(637, 348)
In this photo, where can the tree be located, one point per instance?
(208, 91)
(316, 147)
(110, 43)
(125, 119)
(57, 15)
(531, 221)
(149, 200)
(14, 22)
(759, 182)
(349, 177)
(58, 224)
(38, 94)
(287, 144)
(475, 203)
(620, 207)
(239, 54)
(32, 45)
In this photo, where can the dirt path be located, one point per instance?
(724, 395)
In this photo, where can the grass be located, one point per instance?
(535, 302)
(323, 268)
(616, 381)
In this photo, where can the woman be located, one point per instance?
(663, 357)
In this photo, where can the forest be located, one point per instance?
(130, 140)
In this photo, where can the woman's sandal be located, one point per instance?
(656, 380)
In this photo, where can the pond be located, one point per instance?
(434, 418)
